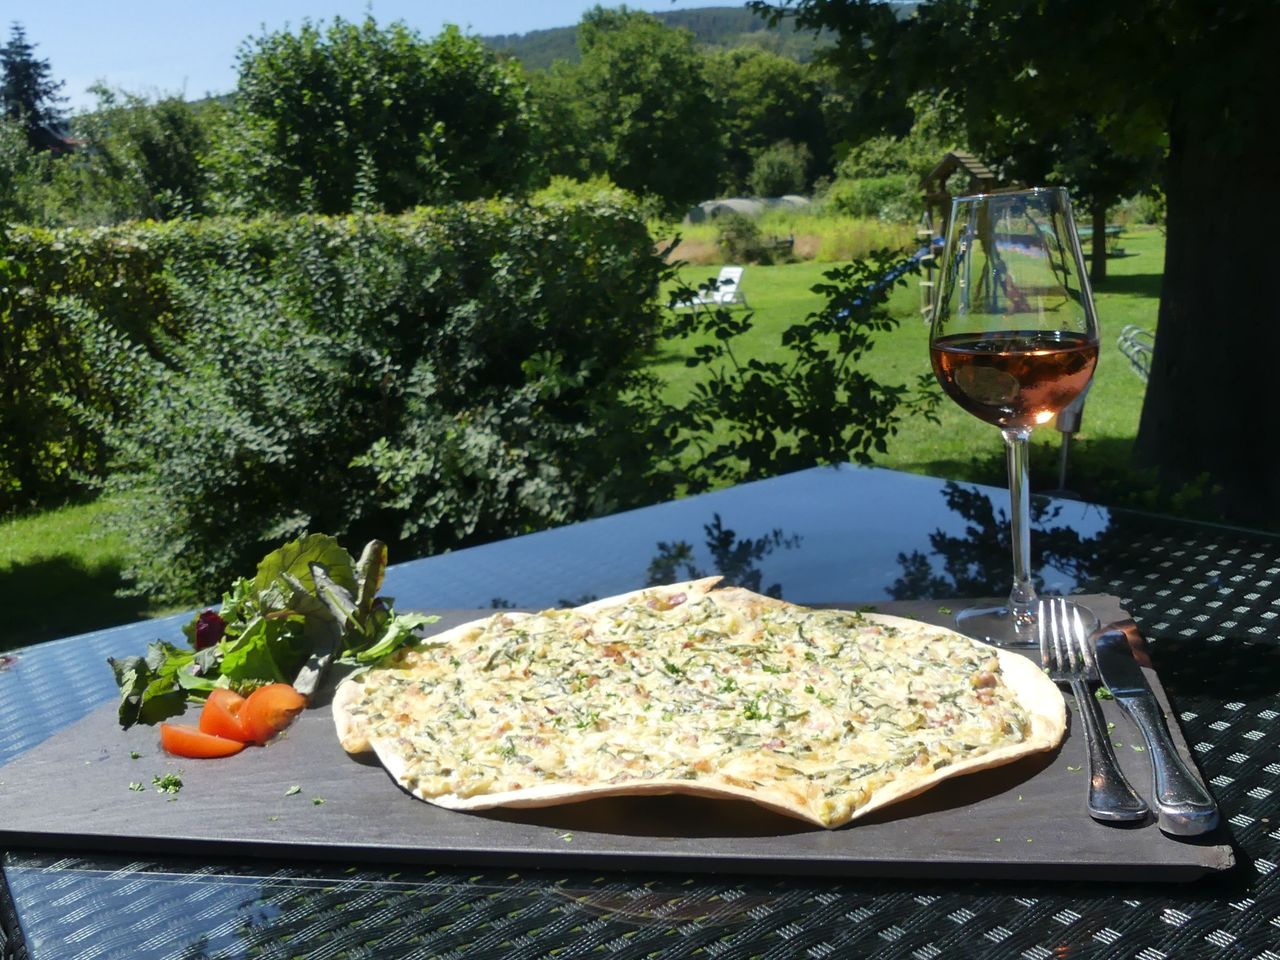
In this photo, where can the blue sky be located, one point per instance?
(179, 46)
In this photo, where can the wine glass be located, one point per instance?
(1014, 339)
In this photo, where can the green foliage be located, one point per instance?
(780, 169)
(811, 401)
(768, 99)
(23, 174)
(140, 159)
(325, 117)
(894, 198)
(44, 449)
(1144, 208)
(716, 27)
(28, 92)
(933, 132)
(740, 240)
(437, 379)
(593, 189)
(642, 94)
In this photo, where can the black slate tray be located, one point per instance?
(1026, 819)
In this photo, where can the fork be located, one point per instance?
(1062, 640)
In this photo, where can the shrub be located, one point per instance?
(439, 378)
(894, 198)
(1143, 208)
(780, 169)
(740, 241)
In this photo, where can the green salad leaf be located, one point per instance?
(308, 604)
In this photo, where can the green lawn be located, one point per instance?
(59, 573)
(963, 447)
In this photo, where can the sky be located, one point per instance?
(178, 46)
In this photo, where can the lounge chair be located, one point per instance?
(726, 291)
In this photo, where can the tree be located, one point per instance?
(354, 114)
(28, 94)
(1078, 155)
(647, 101)
(1100, 176)
(563, 135)
(768, 99)
(142, 159)
(780, 169)
(1177, 74)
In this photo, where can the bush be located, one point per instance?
(140, 159)
(894, 198)
(740, 241)
(1143, 208)
(780, 169)
(439, 378)
(23, 173)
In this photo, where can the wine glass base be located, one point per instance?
(993, 622)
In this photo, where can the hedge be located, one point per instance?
(437, 378)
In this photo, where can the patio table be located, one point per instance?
(1205, 596)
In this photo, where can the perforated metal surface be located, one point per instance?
(1207, 597)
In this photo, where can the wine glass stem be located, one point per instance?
(1022, 599)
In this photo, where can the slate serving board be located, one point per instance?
(1023, 820)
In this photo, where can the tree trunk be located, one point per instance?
(1209, 407)
(1098, 261)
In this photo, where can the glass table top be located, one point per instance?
(1207, 595)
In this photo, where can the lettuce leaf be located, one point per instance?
(307, 603)
(149, 689)
(296, 558)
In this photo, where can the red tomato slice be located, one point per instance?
(184, 741)
(270, 709)
(221, 715)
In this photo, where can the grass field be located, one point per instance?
(60, 570)
(59, 573)
(963, 447)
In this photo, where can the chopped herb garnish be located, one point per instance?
(169, 783)
(134, 755)
(318, 801)
(292, 790)
(1102, 693)
(136, 787)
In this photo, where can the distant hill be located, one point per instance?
(723, 27)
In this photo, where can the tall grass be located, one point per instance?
(825, 238)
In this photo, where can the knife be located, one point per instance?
(1183, 806)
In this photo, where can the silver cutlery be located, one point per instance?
(1063, 639)
(1183, 806)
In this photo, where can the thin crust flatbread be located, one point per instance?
(822, 715)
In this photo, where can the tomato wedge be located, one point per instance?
(184, 741)
(221, 715)
(268, 710)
